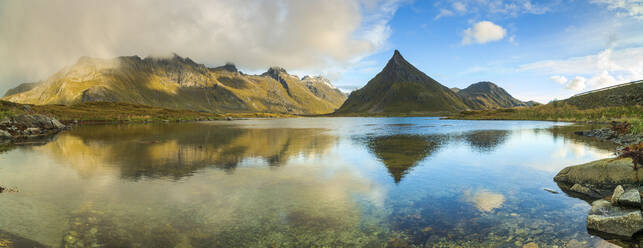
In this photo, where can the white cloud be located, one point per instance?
(576, 84)
(559, 79)
(460, 7)
(632, 8)
(492, 8)
(606, 68)
(512, 40)
(483, 32)
(601, 80)
(444, 13)
(39, 37)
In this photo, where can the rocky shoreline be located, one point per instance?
(613, 188)
(28, 126)
(608, 134)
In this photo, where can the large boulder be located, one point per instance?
(4, 135)
(32, 131)
(585, 191)
(57, 124)
(601, 176)
(613, 220)
(631, 198)
(35, 120)
(618, 192)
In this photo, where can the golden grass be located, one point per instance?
(561, 112)
(120, 112)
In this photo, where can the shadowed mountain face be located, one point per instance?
(487, 95)
(401, 152)
(177, 151)
(402, 88)
(180, 83)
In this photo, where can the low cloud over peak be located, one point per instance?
(41, 36)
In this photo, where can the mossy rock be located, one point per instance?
(602, 176)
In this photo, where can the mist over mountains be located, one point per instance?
(181, 83)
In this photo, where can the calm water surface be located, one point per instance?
(333, 182)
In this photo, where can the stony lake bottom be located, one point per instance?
(301, 182)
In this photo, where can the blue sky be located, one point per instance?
(537, 44)
(536, 50)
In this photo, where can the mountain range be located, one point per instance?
(402, 88)
(180, 83)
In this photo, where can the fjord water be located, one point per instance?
(332, 182)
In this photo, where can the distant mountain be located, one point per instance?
(532, 103)
(627, 94)
(487, 95)
(180, 83)
(455, 89)
(402, 88)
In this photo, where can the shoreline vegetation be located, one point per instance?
(562, 112)
(112, 112)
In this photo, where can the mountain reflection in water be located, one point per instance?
(177, 151)
(486, 140)
(301, 182)
(401, 152)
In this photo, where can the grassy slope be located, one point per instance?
(621, 96)
(119, 112)
(561, 112)
(618, 104)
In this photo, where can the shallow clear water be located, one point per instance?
(331, 182)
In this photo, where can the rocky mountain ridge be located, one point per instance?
(181, 83)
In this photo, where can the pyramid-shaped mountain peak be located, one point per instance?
(402, 88)
(397, 62)
(397, 55)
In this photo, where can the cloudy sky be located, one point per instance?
(537, 50)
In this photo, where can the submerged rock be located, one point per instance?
(577, 188)
(530, 245)
(609, 219)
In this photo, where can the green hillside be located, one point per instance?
(626, 95)
(620, 103)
